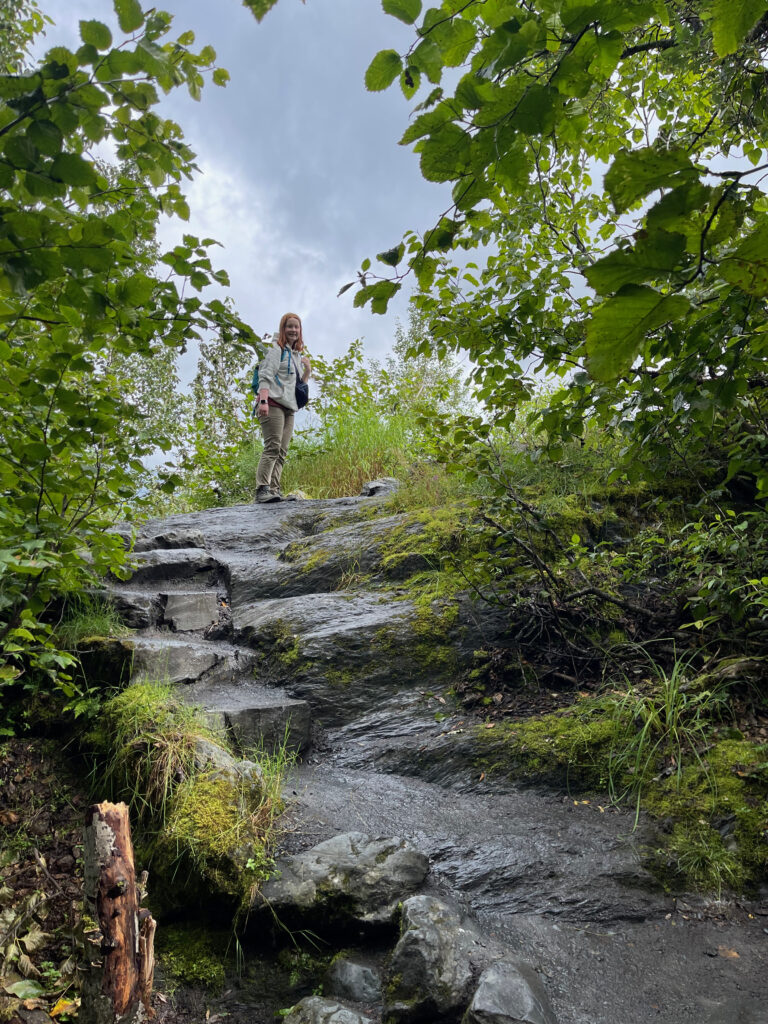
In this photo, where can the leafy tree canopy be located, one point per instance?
(84, 293)
(607, 224)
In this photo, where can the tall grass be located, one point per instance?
(346, 450)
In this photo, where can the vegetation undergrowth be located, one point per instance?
(206, 822)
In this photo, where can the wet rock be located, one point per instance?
(178, 660)
(380, 486)
(349, 878)
(173, 564)
(509, 993)
(186, 612)
(168, 539)
(217, 762)
(138, 609)
(254, 717)
(431, 968)
(737, 1011)
(341, 652)
(316, 1010)
(350, 980)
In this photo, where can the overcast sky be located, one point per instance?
(301, 175)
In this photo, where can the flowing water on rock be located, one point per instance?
(555, 880)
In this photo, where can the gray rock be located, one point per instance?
(430, 971)
(316, 1010)
(139, 609)
(738, 1011)
(509, 993)
(216, 761)
(174, 564)
(353, 981)
(196, 611)
(253, 716)
(179, 538)
(350, 877)
(176, 660)
(383, 485)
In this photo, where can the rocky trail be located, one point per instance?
(531, 905)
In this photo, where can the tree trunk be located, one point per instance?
(118, 985)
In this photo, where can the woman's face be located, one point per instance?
(292, 330)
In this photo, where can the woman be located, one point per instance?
(279, 370)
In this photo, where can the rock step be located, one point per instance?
(182, 608)
(178, 660)
(163, 564)
(255, 717)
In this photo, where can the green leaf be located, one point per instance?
(46, 136)
(410, 80)
(406, 10)
(129, 14)
(259, 8)
(428, 58)
(26, 989)
(96, 33)
(618, 328)
(445, 155)
(747, 268)
(731, 22)
(383, 70)
(392, 256)
(653, 257)
(632, 175)
(73, 170)
(536, 111)
(220, 76)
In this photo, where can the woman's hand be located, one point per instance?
(263, 410)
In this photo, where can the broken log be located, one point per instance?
(118, 983)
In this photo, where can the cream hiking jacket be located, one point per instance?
(278, 372)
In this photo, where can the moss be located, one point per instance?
(297, 550)
(279, 644)
(192, 956)
(716, 814)
(423, 539)
(213, 833)
(570, 748)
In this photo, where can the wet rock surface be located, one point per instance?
(509, 993)
(554, 885)
(350, 878)
(356, 982)
(429, 975)
(316, 1010)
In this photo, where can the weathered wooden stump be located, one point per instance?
(118, 985)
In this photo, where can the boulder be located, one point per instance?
(377, 488)
(353, 981)
(509, 993)
(350, 879)
(430, 972)
(316, 1010)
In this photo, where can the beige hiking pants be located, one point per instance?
(276, 429)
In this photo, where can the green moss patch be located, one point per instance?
(569, 748)
(717, 815)
(192, 956)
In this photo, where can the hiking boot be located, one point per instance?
(283, 497)
(265, 496)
